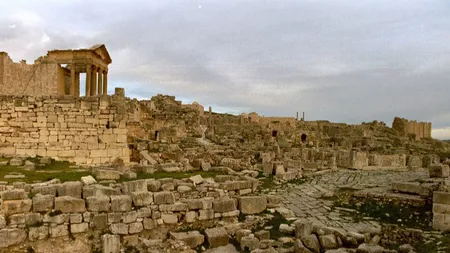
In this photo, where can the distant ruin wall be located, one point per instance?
(41, 78)
(87, 131)
(405, 127)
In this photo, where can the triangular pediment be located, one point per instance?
(101, 51)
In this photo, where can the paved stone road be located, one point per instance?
(307, 200)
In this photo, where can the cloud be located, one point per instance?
(344, 61)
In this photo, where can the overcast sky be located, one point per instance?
(340, 60)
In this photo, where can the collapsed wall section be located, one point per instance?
(86, 131)
(20, 78)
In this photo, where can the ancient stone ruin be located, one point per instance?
(108, 173)
(57, 73)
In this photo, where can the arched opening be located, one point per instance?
(156, 135)
(303, 137)
(274, 133)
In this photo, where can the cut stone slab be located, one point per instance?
(216, 237)
(67, 204)
(252, 204)
(190, 238)
(197, 179)
(88, 180)
(111, 243)
(439, 171)
(107, 175)
(224, 205)
(223, 249)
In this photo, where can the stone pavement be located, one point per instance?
(312, 200)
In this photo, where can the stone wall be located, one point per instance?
(441, 211)
(127, 209)
(42, 78)
(359, 160)
(405, 127)
(88, 130)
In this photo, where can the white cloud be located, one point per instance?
(441, 133)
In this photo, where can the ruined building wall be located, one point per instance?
(405, 127)
(87, 130)
(42, 78)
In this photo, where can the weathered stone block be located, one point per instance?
(121, 203)
(192, 238)
(134, 186)
(216, 237)
(88, 180)
(79, 228)
(43, 203)
(72, 189)
(169, 218)
(249, 243)
(135, 227)
(164, 197)
(13, 236)
(328, 241)
(439, 170)
(206, 214)
(153, 185)
(98, 203)
(107, 174)
(67, 204)
(119, 228)
(38, 233)
(252, 204)
(224, 205)
(142, 198)
(129, 217)
(44, 190)
(15, 194)
(149, 224)
(59, 230)
(31, 219)
(99, 190)
(441, 198)
(110, 243)
(303, 229)
(16, 206)
(100, 221)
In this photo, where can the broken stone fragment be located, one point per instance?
(216, 237)
(252, 204)
(191, 238)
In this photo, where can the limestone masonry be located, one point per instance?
(88, 130)
(57, 73)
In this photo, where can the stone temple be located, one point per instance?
(57, 73)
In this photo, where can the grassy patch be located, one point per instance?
(64, 171)
(400, 214)
(440, 245)
(274, 223)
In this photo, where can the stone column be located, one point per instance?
(77, 86)
(88, 79)
(105, 82)
(72, 79)
(94, 81)
(100, 82)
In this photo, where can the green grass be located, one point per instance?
(275, 223)
(401, 214)
(64, 171)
